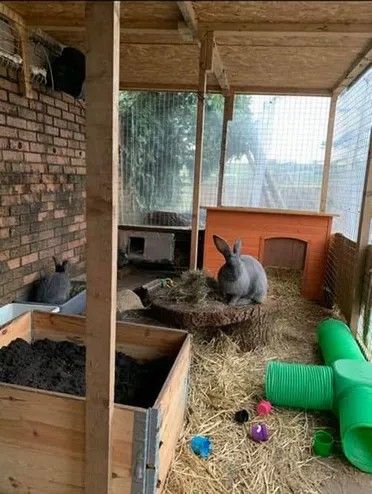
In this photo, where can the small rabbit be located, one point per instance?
(55, 288)
(242, 278)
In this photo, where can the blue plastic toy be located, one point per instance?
(201, 446)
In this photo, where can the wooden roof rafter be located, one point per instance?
(187, 11)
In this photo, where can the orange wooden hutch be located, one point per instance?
(278, 238)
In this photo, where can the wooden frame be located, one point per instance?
(42, 432)
(228, 110)
(328, 152)
(362, 242)
(205, 66)
(102, 121)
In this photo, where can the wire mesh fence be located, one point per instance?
(349, 155)
(275, 152)
(274, 156)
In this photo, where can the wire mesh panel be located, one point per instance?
(349, 155)
(10, 49)
(275, 152)
(158, 152)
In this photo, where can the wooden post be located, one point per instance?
(228, 109)
(25, 82)
(362, 243)
(102, 94)
(328, 152)
(205, 66)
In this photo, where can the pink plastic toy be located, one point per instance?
(264, 408)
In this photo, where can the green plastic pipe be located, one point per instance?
(309, 387)
(344, 386)
(337, 342)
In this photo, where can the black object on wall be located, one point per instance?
(68, 72)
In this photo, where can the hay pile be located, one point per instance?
(194, 287)
(225, 379)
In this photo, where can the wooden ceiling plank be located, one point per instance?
(188, 13)
(363, 61)
(305, 29)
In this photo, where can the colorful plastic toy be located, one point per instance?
(259, 433)
(264, 408)
(323, 443)
(201, 446)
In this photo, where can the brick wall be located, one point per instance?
(42, 184)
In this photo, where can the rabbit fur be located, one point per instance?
(55, 288)
(241, 278)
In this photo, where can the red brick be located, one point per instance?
(8, 221)
(10, 200)
(43, 254)
(27, 135)
(20, 123)
(26, 113)
(19, 145)
(12, 155)
(46, 99)
(61, 104)
(8, 85)
(59, 213)
(4, 232)
(18, 100)
(35, 126)
(68, 99)
(4, 143)
(55, 112)
(51, 130)
(4, 255)
(4, 96)
(67, 134)
(33, 157)
(37, 105)
(61, 124)
(8, 132)
(31, 278)
(47, 139)
(59, 141)
(14, 263)
(37, 147)
(29, 258)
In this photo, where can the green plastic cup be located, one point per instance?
(309, 387)
(337, 342)
(323, 444)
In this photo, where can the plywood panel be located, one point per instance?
(19, 328)
(172, 404)
(284, 253)
(253, 228)
(286, 11)
(42, 443)
(136, 340)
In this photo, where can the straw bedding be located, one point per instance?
(225, 379)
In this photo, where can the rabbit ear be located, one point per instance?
(55, 262)
(237, 247)
(221, 246)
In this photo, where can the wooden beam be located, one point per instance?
(154, 86)
(188, 13)
(362, 63)
(25, 79)
(362, 243)
(205, 66)
(328, 152)
(228, 110)
(220, 71)
(102, 88)
(298, 28)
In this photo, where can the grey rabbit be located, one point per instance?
(241, 278)
(55, 288)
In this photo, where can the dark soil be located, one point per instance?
(60, 366)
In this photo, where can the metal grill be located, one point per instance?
(10, 49)
(349, 155)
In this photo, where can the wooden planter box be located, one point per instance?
(42, 433)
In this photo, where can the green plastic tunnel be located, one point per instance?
(309, 387)
(344, 386)
(337, 342)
